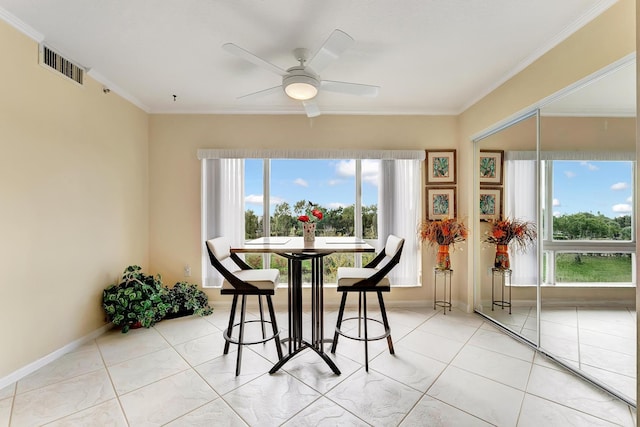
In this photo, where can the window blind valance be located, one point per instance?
(215, 153)
(571, 155)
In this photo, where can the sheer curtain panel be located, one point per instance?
(399, 213)
(222, 208)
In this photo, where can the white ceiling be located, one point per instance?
(427, 56)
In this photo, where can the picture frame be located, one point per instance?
(490, 200)
(441, 167)
(491, 167)
(441, 203)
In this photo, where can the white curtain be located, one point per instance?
(399, 213)
(520, 203)
(222, 208)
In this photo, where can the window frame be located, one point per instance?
(551, 247)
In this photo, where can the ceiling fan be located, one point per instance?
(302, 82)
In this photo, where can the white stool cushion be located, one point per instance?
(267, 278)
(393, 245)
(220, 247)
(349, 276)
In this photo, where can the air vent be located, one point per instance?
(57, 62)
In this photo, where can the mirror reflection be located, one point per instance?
(507, 290)
(587, 318)
(569, 171)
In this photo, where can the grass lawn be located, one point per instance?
(593, 268)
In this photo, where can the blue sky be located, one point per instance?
(329, 183)
(579, 186)
(582, 186)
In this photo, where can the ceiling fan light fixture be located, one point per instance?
(301, 87)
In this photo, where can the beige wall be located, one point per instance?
(73, 202)
(91, 184)
(175, 238)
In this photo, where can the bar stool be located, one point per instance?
(243, 282)
(370, 278)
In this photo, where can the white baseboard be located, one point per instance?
(32, 367)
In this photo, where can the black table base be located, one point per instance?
(296, 341)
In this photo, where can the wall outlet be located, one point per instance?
(187, 270)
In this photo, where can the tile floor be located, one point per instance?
(600, 341)
(453, 370)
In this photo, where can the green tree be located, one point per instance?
(586, 226)
(370, 222)
(282, 221)
(300, 208)
(335, 222)
(252, 225)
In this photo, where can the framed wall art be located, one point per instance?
(490, 203)
(491, 167)
(441, 203)
(441, 167)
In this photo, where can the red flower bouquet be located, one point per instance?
(313, 213)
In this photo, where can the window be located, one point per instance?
(589, 208)
(346, 191)
(587, 216)
(367, 194)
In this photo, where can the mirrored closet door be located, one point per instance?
(506, 191)
(569, 171)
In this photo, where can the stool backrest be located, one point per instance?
(392, 248)
(219, 249)
(384, 261)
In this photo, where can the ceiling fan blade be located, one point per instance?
(350, 88)
(338, 42)
(311, 108)
(248, 56)
(261, 93)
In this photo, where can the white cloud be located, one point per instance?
(590, 166)
(622, 208)
(569, 174)
(253, 199)
(334, 182)
(370, 170)
(346, 168)
(557, 214)
(620, 186)
(556, 202)
(256, 199)
(629, 199)
(301, 182)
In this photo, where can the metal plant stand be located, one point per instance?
(504, 279)
(445, 275)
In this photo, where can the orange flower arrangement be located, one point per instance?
(443, 232)
(504, 231)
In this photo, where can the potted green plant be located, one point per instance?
(138, 300)
(187, 299)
